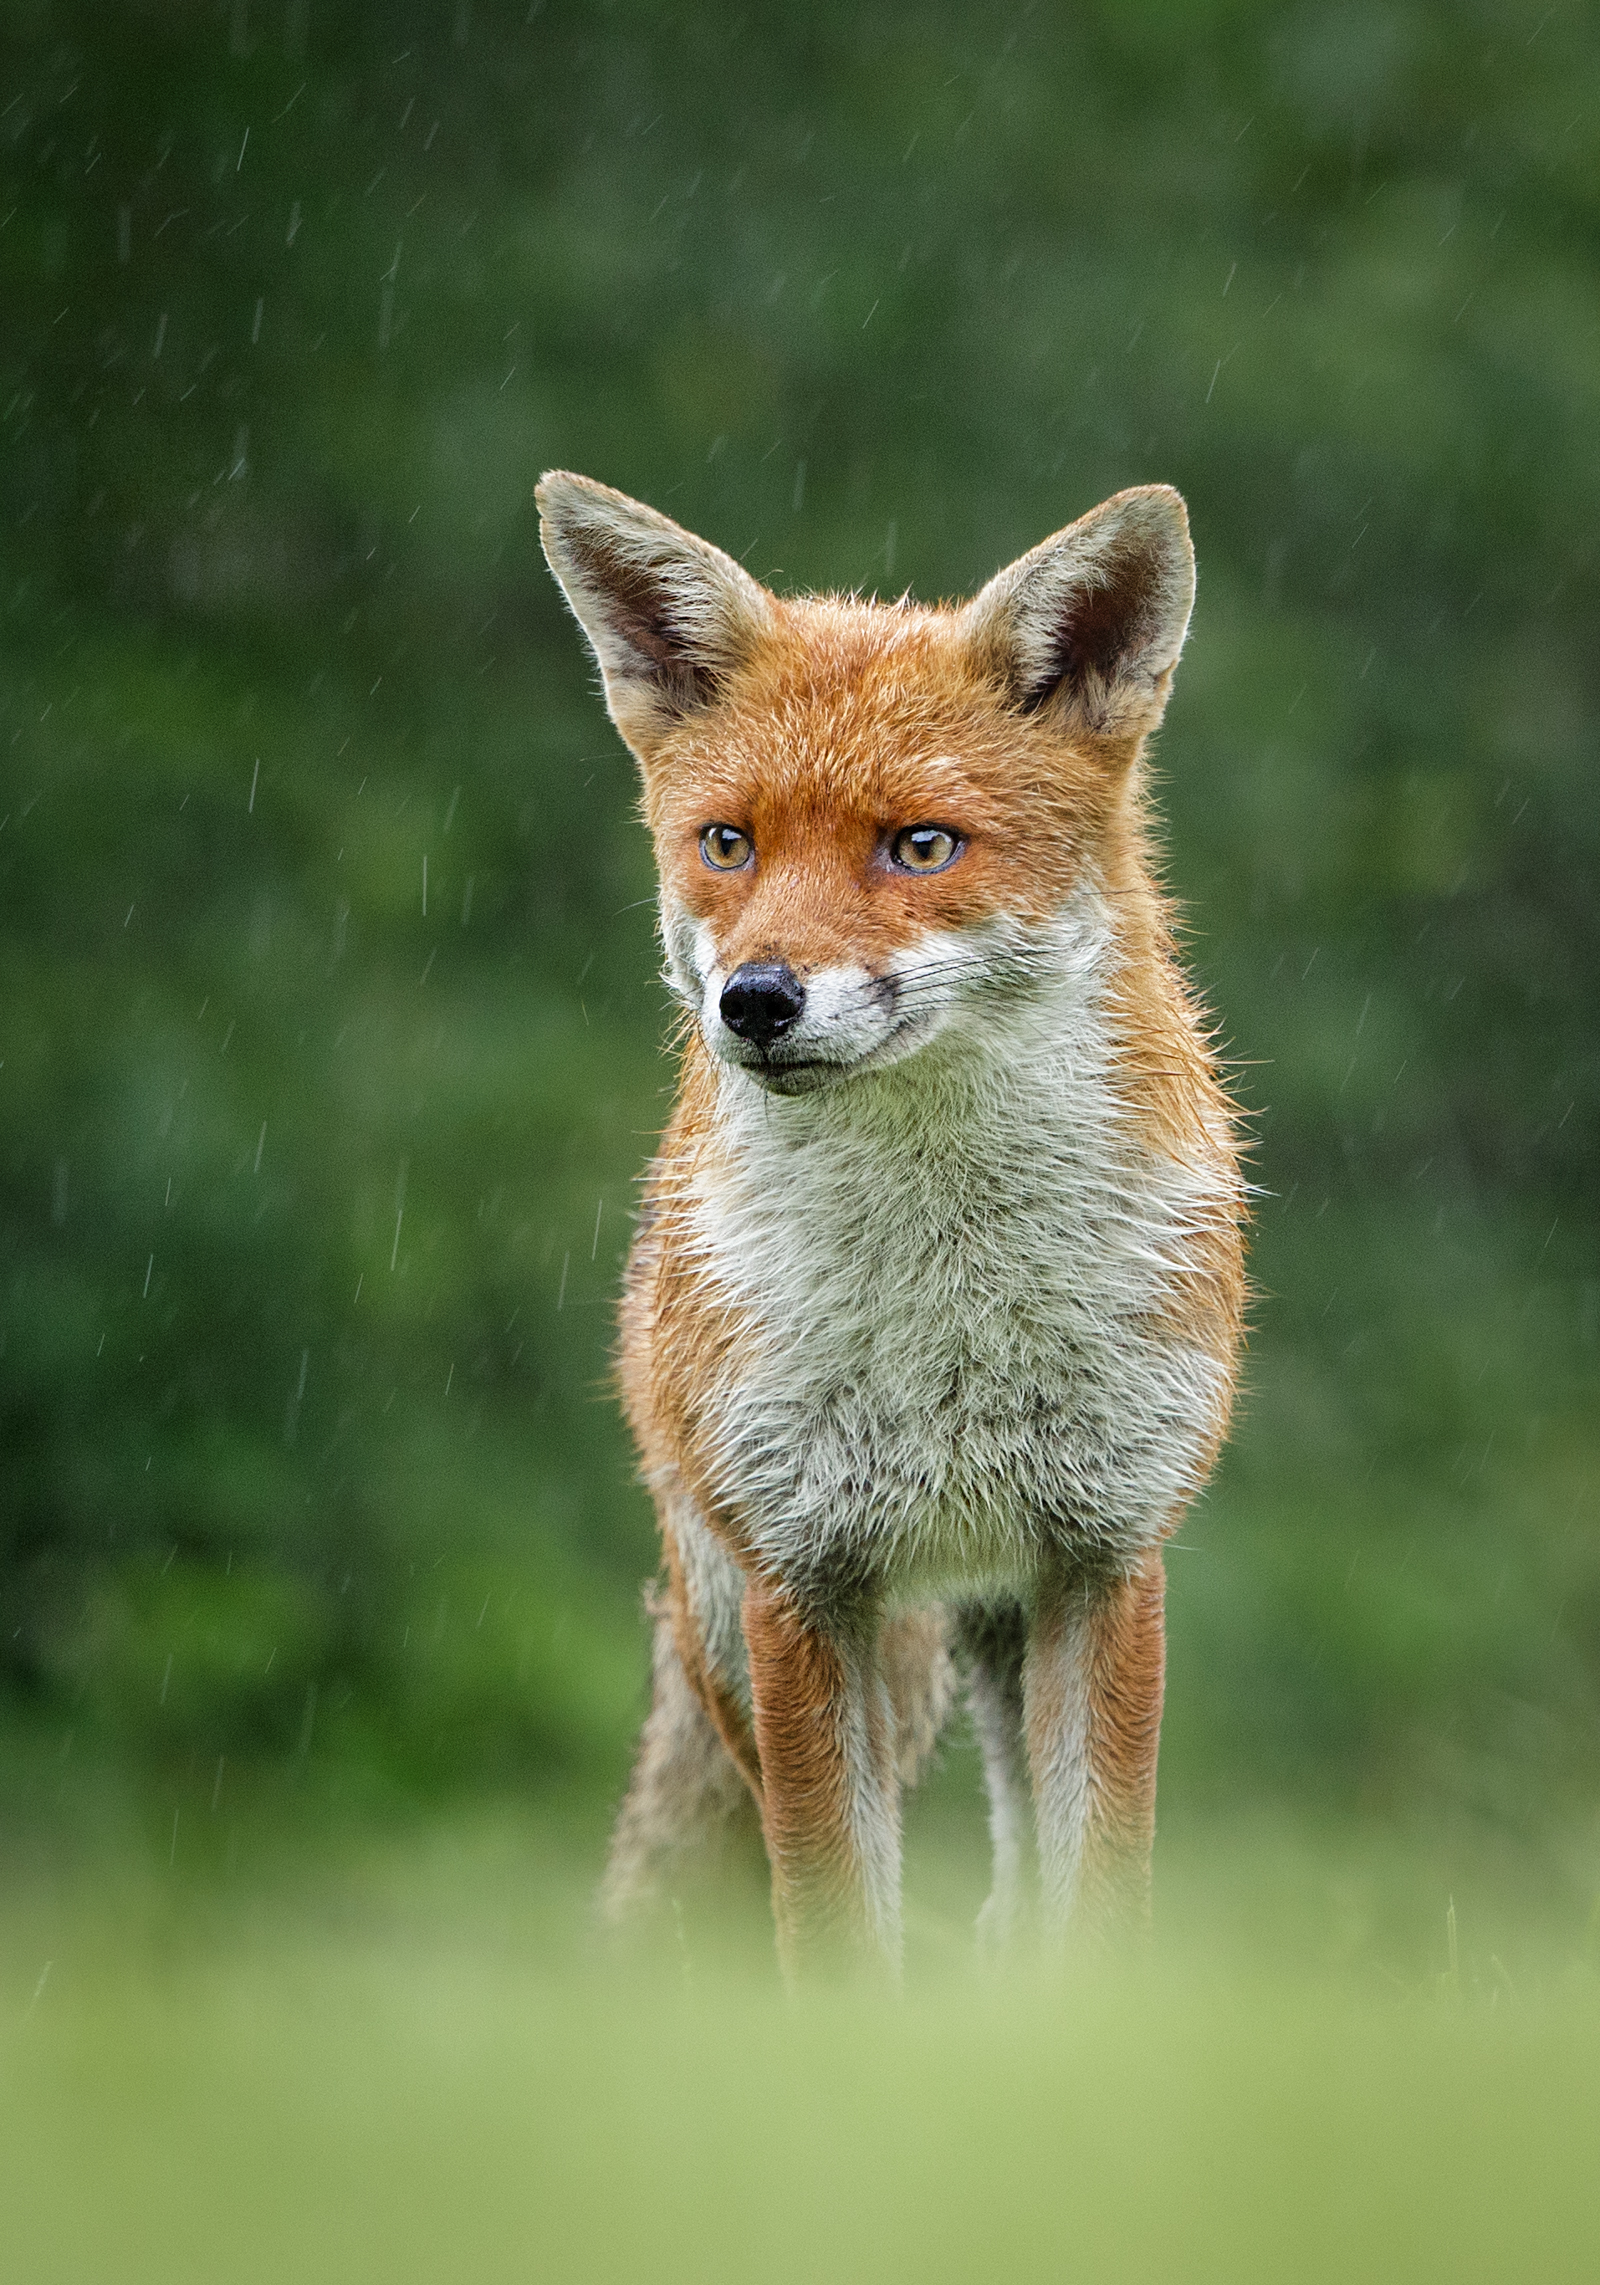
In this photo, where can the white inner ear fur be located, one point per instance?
(1098, 612)
(667, 615)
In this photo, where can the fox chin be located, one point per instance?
(930, 1330)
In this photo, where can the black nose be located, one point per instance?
(761, 1000)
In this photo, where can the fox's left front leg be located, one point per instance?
(1092, 1687)
(825, 1734)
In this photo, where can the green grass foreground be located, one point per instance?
(424, 2068)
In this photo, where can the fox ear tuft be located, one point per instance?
(1092, 620)
(667, 615)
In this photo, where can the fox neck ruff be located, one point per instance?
(966, 1282)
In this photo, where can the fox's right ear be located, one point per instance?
(667, 615)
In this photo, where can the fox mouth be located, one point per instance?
(797, 1075)
(803, 1073)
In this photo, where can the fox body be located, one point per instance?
(931, 1323)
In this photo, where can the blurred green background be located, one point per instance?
(330, 1034)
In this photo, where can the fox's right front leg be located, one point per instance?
(825, 1735)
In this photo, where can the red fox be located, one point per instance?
(932, 1319)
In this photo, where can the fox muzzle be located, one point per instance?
(761, 1001)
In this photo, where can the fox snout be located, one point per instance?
(761, 1001)
(794, 1027)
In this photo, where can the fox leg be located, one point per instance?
(686, 1795)
(825, 1735)
(1092, 1688)
(994, 1637)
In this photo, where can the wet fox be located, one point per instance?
(931, 1323)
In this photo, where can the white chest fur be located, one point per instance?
(956, 1273)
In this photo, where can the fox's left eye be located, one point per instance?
(925, 848)
(724, 847)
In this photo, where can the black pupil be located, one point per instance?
(726, 841)
(927, 845)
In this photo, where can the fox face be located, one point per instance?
(870, 819)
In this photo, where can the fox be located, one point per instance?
(931, 1323)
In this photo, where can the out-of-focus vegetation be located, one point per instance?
(422, 2080)
(329, 1031)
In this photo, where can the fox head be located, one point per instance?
(866, 816)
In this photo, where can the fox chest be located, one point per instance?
(954, 1364)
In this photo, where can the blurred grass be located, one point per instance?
(419, 2068)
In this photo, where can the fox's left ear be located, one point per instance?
(667, 615)
(1092, 620)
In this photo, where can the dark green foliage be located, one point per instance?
(306, 1455)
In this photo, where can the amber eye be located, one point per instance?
(925, 848)
(725, 848)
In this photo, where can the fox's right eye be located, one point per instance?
(725, 848)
